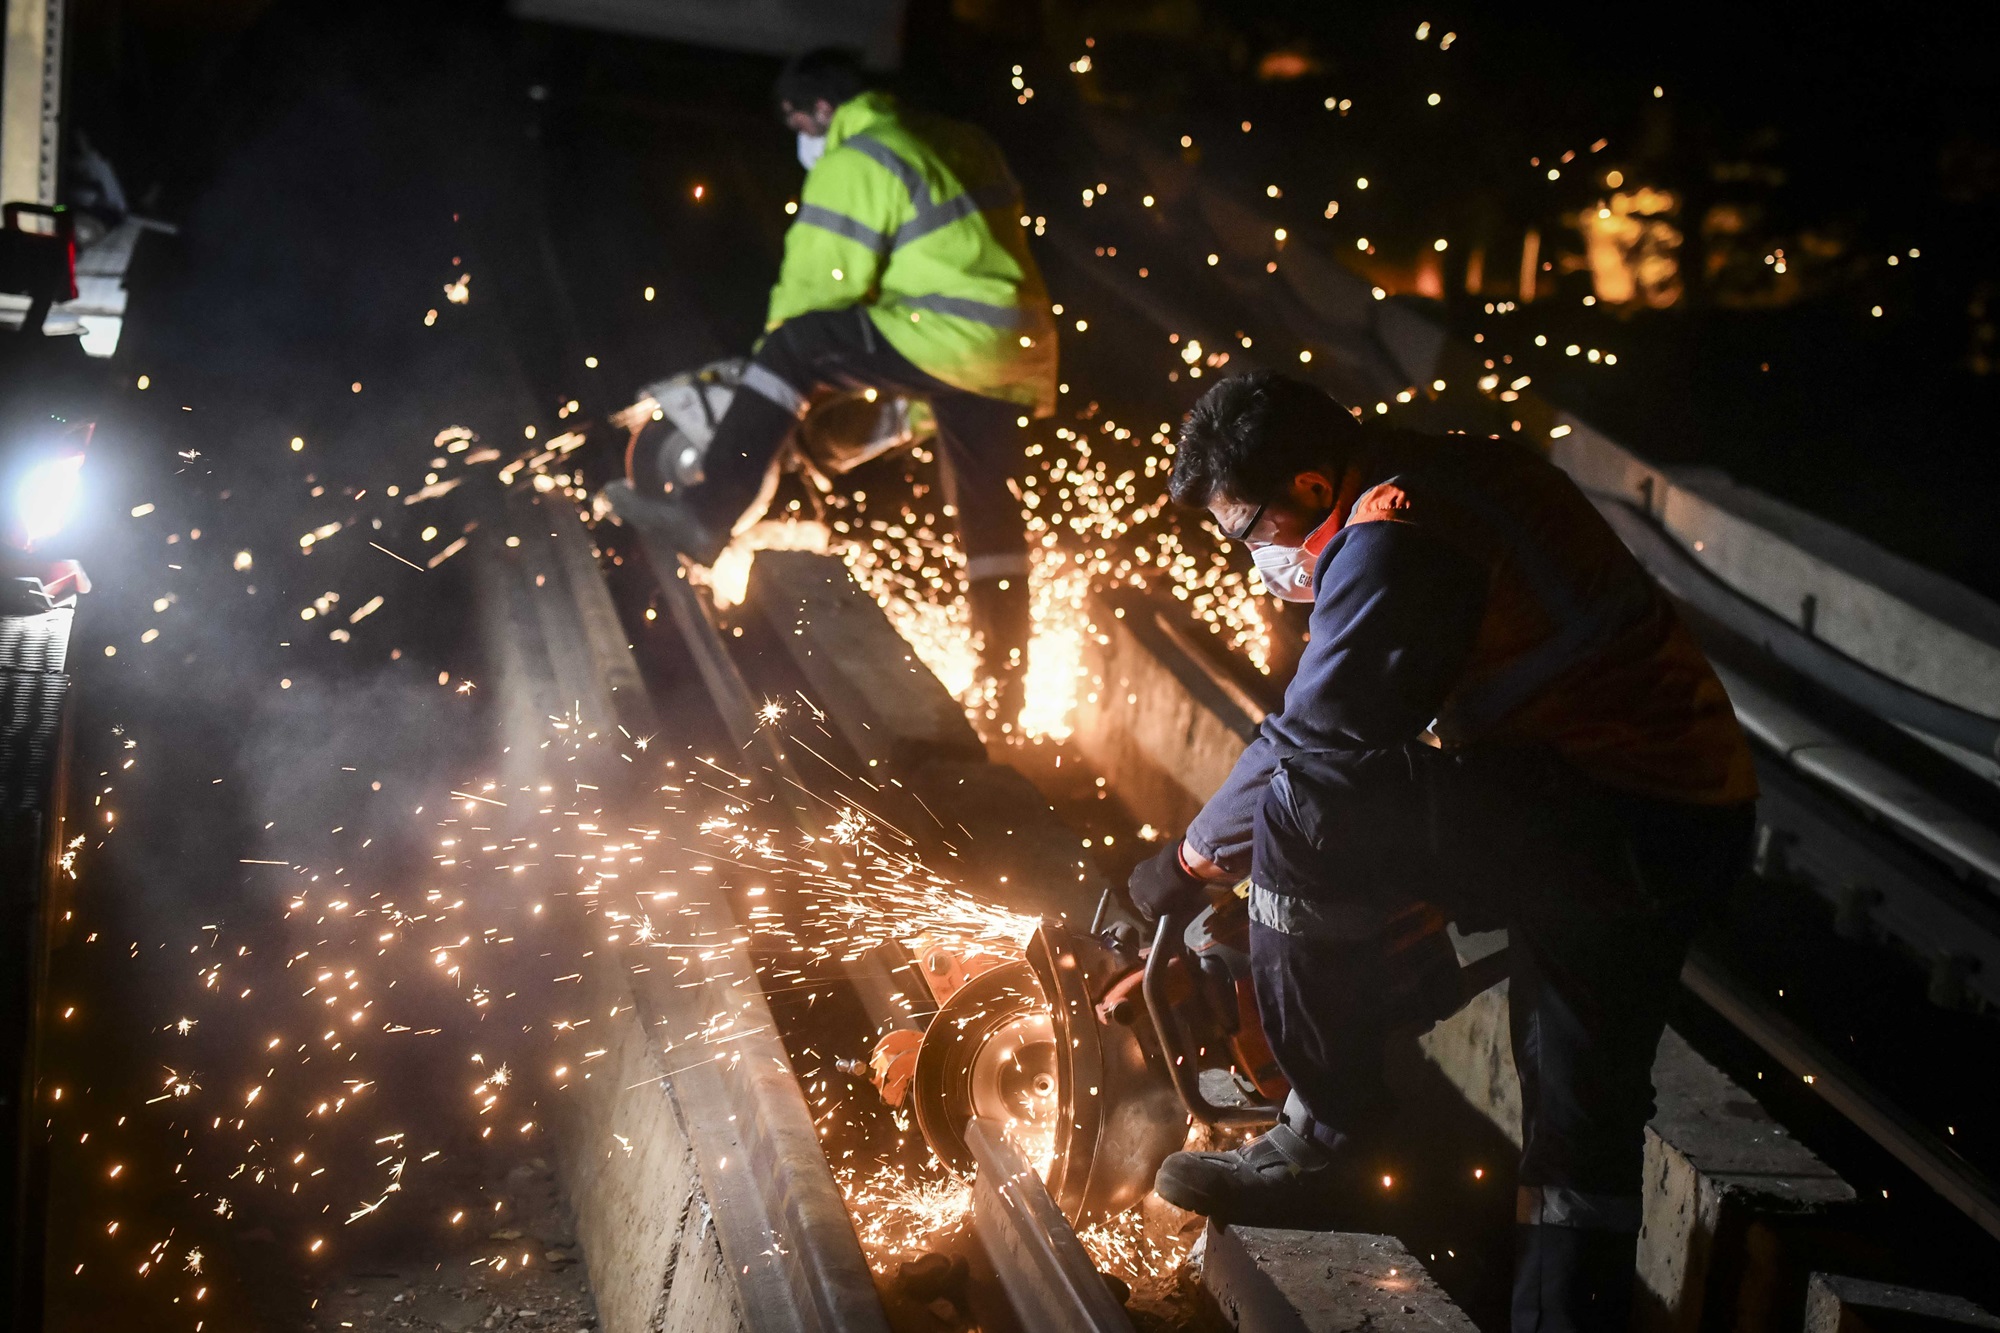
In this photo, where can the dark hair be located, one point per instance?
(1251, 434)
(827, 74)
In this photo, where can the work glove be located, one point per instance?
(1161, 884)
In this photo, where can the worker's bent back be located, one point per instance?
(918, 218)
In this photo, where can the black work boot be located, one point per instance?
(1002, 619)
(1281, 1179)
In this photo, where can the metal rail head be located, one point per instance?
(1844, 1089)
(1049, 1278)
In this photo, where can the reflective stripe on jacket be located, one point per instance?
(917, 218)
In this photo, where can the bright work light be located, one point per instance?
(45, 497)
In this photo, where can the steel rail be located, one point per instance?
(1048, 1276)
(1845, 1090)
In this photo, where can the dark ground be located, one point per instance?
(334, 167)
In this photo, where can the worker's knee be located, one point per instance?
(1322, 953)
(813, 348)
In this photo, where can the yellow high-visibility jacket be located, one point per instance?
(918, 219)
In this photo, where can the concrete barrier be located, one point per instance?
(1166, 722)
(1851, 1305)
(1727, 1191)
(1264, 1280)
(1892, 616)
(701, 1196)
(886, 704)
(1883, 611)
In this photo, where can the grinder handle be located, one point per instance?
(1169, 942)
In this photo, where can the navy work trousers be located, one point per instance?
(979, 439)
(1600, 891)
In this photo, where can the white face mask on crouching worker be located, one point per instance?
(1287, 571)
(812, 147)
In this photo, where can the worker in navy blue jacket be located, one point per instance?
(1499, 720)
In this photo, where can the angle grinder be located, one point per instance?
(1096, 1052)
(1091, 1051)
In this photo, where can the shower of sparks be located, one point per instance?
(372, 963)
(1133, 1248)
(1093, 503)
(900, 1215)
(849, 828)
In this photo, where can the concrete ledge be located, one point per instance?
(624, 1158)
(1730, 1199)
(1269, 1281)
(1852, 1305)
(1166, 723)
(1731, 1202)
(1475, 1052)
(1894, 617)
(1883, 611)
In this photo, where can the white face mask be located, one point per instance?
(811, 148)
(1287, 571)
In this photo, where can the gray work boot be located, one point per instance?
(1282, 1179)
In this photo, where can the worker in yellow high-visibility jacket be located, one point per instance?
(906, 269)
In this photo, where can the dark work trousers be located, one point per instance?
(1601, 893)
(979, 439)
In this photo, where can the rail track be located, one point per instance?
(784, 1246)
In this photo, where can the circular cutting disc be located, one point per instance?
(989, 1052)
